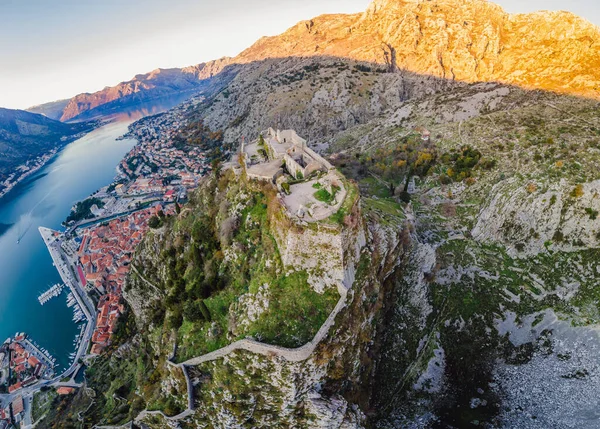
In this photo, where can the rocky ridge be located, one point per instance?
(458, 40)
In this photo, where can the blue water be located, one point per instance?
(45, 199)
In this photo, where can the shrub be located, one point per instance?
(577, 192)
(405, 197)
(592, 213)
(205, 311)
(558, 236)
(531, 188)
(323, 196)
(176, 318)
(154, 222)
(488, 164)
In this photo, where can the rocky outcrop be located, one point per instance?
(527, 220)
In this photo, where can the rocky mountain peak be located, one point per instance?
(466, 40)
(457, 40)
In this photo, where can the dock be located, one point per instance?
(53, 292)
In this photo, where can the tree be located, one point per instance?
(205, 311)
(176, 318)
(216, 166)
(192, 312)
(154, 222)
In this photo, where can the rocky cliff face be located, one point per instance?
(487, 276)
(245, 389)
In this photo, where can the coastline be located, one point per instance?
(63, 266)
(45, 159)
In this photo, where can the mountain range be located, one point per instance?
(25, 136)
(461, 40)
(142, 89)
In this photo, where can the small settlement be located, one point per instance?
(12, 413)
(155, 164)
(22, 364)
(105, 255)
(151, 177)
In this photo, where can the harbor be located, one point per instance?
(77, 299)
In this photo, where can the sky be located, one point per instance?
(55, 49)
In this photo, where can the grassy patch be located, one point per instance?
(346, 207)
(42, 403)
(325, 196)
(296, 312)
(209, 266)
(386, 206)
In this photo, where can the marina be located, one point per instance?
(78, 314)
(53, 292)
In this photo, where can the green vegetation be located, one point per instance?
(295, 311)
(82, 209)
(592, 213)
(26, 136)
(157, 221)
(393, 165)
(195, 133)
(123, 385)
(325, 196)
(462, 163)
(43, 402)
(206, 293)
(342, 215)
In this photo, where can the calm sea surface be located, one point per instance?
(45, 199)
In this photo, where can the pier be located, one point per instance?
(53, 292)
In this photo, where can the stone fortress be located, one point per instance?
(302, 176)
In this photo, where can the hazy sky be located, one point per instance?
(53, 49)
